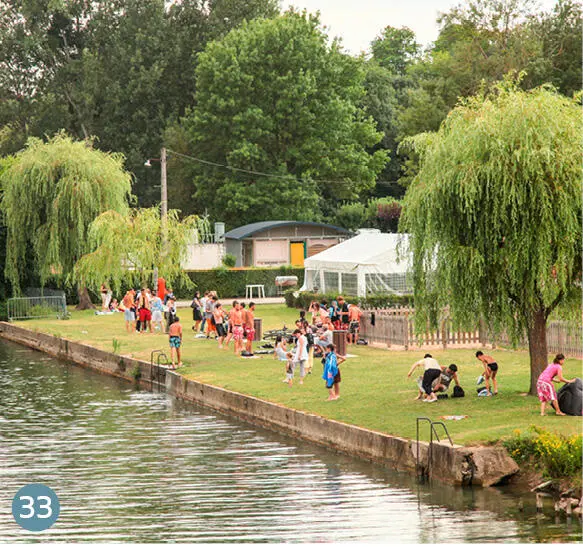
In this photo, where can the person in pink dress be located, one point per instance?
(544, 385)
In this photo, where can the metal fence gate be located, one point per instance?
(33, 307)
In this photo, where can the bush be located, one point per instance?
(303, 300)
(229, 260)
(231, 283)
(555, 455)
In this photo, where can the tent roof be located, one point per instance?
(242, 232)
(370, 249)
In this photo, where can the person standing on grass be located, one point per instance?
(219, 318)
(129, 312)
(432, 371)
(145, 315)
(175, 340)
(230, 324)
(544, 385)
(236, 322)
(332, 363)
(249, 326)
(203, 302)
(196, 311)
(209, 309)
(157, 313)
(490, 371)
(301, 353)
(343, 313)
(354, 315)
(280, 352)
(170, 313)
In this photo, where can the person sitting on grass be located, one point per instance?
(175, 340)
(544, 385)
(432, 371)
(441, 383)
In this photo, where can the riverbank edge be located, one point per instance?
(457, 465)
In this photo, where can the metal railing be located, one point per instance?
(432, 431)
(36, 307)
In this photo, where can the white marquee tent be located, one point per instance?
(369, 263)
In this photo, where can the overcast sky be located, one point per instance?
(358, 22)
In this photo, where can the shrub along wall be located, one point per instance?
(303, 300)
(230, 283)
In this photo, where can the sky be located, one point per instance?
(358, 22)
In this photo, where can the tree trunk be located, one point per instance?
(84, 300)
(537, 347)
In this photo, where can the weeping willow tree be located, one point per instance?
(129, 247)
(52, 193)
(495, 214)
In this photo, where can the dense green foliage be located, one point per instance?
(52, 192)
(495, 213)
(302, 300)
(274, 97)
(231, 283)
(127, 248)
(114, 69)
(556, 456)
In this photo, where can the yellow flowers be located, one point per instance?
(555, 455)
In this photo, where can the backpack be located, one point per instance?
(458, 392)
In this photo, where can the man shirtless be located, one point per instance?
(230, 319)
(236, 320)
(490, 371)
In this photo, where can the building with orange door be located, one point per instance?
(281, 242)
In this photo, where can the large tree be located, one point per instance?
(274, 97)
(52, 193)
(495, 213)
(149, 243)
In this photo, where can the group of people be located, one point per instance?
(436, 379)
(337, 315)
(237, 324)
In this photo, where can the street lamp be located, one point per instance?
(163, 204)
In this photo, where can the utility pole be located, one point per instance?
(163, 211)
(164, 202)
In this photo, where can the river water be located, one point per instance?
(133, 466)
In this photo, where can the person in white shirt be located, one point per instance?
(301, 353)
(432, 371)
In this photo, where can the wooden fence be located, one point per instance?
(395, 327)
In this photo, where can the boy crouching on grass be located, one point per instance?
(175, 339)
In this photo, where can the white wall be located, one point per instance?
(205, 256)
(271, 253)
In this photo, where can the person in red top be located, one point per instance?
(250, 327)
(354, 315)
(175, 339)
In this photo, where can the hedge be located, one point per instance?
(230, 283)
(303, 300)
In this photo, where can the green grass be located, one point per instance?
(375, 392)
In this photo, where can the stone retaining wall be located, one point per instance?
(478, 466)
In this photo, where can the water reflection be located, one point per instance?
(141, 467)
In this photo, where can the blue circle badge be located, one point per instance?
(35, 507)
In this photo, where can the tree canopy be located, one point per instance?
(495, 212)
(127, 248)
(274, 97)
(52, 193)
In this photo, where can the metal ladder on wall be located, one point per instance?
(159, 355)
(432, 431)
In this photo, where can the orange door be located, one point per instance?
(296, 254)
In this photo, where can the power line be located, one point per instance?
(272, 175)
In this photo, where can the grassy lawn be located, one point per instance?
(375, 392)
